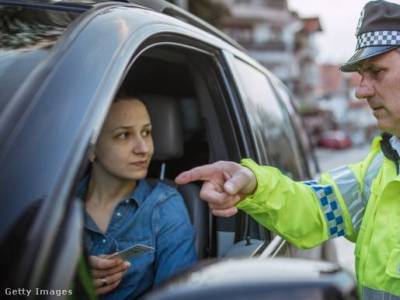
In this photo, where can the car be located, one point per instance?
(269, 279)
(335, 139)
(63, 62)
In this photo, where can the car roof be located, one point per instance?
(159, 6)
(171, 12)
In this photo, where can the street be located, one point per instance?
(330, 159)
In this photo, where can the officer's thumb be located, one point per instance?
(236, 183)
(240, 182)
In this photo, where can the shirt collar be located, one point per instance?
(141, 192)
(395, 142)
(138, 195)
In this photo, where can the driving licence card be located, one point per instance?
(133, 251)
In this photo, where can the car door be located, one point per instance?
(39, 229)
(50, 119)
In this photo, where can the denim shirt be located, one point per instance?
(154, 215)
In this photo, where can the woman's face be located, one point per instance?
(125, 146)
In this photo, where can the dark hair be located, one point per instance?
(123, 95)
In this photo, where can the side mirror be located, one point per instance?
(256, 279)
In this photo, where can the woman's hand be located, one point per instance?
(107, 273)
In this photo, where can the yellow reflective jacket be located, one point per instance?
(359, 201)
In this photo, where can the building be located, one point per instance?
(266, 28)
(305, 51)
(337, 95)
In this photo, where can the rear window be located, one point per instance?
(26, 37)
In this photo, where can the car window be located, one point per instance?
(272, 128)
(27, 36)
(300, 132)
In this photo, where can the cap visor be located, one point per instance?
(362, 54)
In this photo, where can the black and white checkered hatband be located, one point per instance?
(378, 38)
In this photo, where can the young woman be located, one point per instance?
(123, 209)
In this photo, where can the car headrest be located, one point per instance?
(167, 126)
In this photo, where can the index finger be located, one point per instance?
(198, 173)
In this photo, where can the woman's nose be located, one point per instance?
(140, 146)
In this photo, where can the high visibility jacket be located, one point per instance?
(359, 201)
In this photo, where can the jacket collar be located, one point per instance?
(389, 146)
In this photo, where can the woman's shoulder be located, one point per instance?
(168, 202)
(170, 205)
(163, 189)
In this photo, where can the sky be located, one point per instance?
(339, 19)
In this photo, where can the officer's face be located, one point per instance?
(380, 86)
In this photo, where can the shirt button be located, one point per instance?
(118, 214)
(104, 241)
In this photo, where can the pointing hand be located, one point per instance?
(225, 184)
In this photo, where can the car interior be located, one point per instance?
(168, 136)
(190, 128)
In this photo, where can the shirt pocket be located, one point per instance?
(393, 266)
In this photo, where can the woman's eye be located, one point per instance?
(146, 133)
(123, 136)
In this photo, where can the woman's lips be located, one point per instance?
(140, 164)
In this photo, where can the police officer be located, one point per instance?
(360, 201)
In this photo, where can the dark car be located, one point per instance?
(62, 64)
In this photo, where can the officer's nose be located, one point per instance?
(365, 88)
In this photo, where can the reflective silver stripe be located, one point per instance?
(371, 294)
(350, 190)
(370, 175)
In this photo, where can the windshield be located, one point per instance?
(26, 37)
